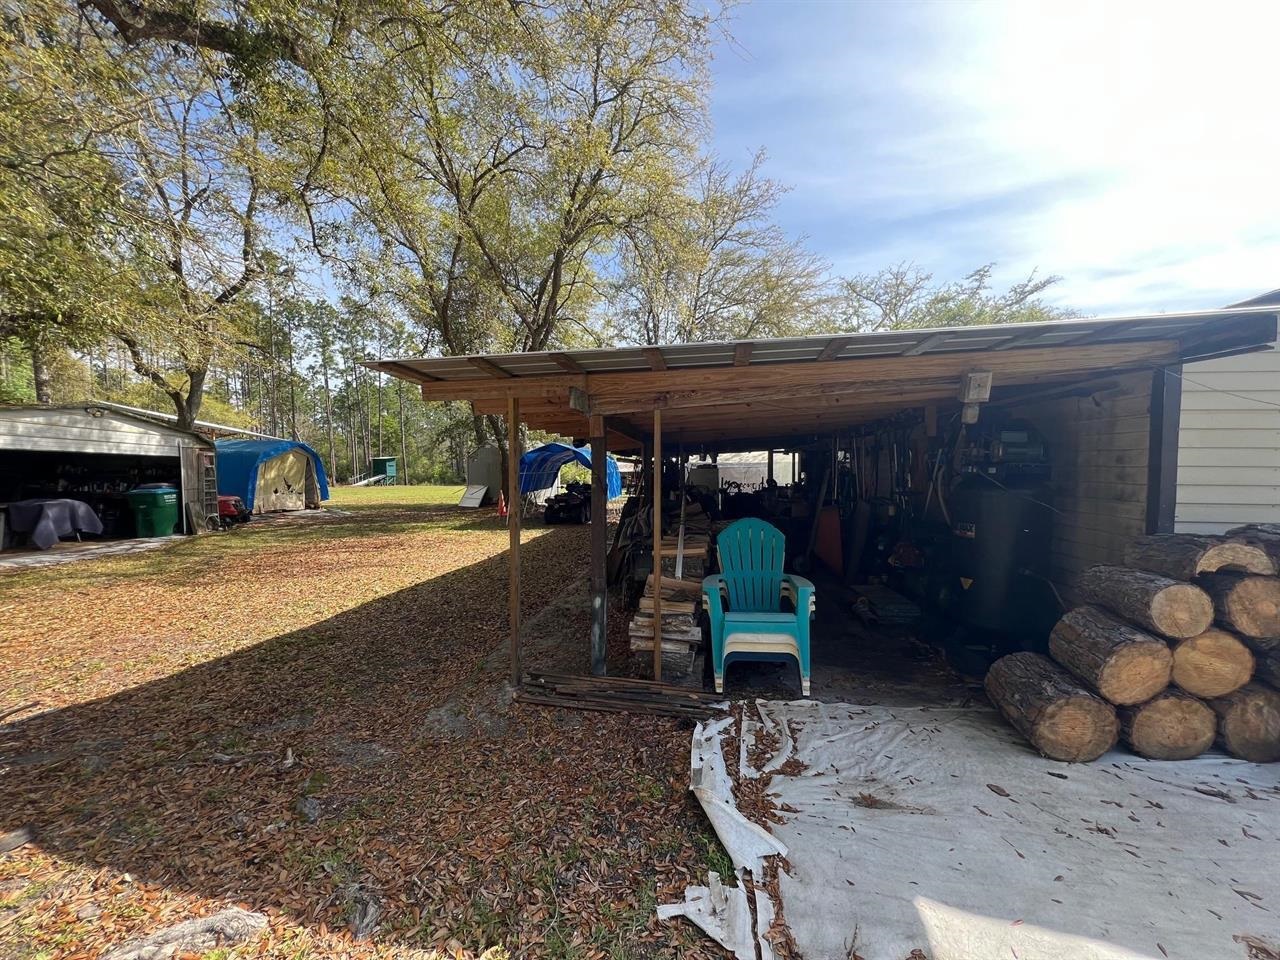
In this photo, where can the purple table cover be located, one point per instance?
(48, 521)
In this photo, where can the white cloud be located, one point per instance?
(1130, 147)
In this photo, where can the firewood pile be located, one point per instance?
(681, 630)
(1175, 649)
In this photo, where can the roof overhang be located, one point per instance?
(736, 394)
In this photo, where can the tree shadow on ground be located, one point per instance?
(375, 752)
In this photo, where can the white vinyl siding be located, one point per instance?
(1229, 443)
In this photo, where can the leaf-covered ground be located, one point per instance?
(306, 718)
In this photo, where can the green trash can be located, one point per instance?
(155, 509)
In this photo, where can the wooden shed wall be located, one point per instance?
(1229, 445)
(1099, 446)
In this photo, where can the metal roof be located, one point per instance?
(1186, 327)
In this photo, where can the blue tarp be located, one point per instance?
(238, 462)
(540, 467)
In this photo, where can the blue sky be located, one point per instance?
(1131, 148)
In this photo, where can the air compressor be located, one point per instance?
(1001, 519)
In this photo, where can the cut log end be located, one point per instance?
(1136, 672)
(1076, 730)
(1249, 723)
(1181, 610)
(1117, 660)
(1212, 664)
(1249, 605)
(1171, 726)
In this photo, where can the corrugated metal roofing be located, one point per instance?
(844, 346)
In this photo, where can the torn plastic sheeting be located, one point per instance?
(747, 843)
(724, 914)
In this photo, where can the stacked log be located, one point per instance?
(1249, 723)
(1182, 644)
(1062, 719)
(1211, 664)
(1170, 726)
(1184, 556)
(1122, 663)
(1249, 605)
(1265, 536)
(1156, 602)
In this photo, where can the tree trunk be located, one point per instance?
(1166, 606)
(1184, 556)
(1249, 723)
(41, 373)
(1062, 719)
(189, 406)
(328, 415)
(293, 384)
(1170, 726)
(1248, 605)
(1212, 664)
(1118, 661)
(404, 445)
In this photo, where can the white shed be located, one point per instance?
(96, 454)
(1229, 441)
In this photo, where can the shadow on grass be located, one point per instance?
(373, 748)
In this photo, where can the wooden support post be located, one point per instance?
(513, 528)
(1162, 451)
(769, 475)
(657, 543)
(599, 546)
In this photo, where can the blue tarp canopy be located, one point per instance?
(540, 467)
(240, 460)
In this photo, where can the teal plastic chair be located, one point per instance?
(744, 601)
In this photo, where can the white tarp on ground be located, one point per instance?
(900, 835)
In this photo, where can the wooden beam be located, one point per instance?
(566, 363)
(654, 357)
(833, 349)
(599, 545)
(489, 367)
(1162, 455)
(925, 345)
(513, 529)
(742, 354)
(657, 542)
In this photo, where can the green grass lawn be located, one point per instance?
(417, 495)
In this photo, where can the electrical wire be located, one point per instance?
(1230, 393)
(1018, 494)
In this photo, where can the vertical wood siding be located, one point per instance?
(1098, 445)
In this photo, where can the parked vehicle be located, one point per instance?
(231, 510)
(571, 506)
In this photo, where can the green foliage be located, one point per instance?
(713, 266)
(906, 296)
